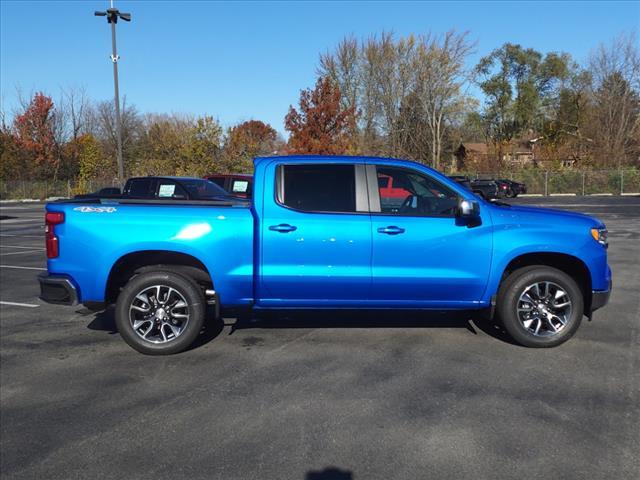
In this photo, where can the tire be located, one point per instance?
(533, 317)
(165, 323)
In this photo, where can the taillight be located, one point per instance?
(52, 219)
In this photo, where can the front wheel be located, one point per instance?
(160, 313)
(540, 306)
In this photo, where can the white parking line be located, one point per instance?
(25, 248)
(15, 304)
(18, 253)
(18, 235)
(22, 268)
(21, 220)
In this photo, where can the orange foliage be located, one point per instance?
(34, 130)
(321, 126)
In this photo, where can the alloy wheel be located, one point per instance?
(544, 308)
(159, 314)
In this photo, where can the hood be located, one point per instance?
(546, 215)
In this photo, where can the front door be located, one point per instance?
(316, 236)
(422, 255)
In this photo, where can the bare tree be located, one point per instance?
(402, 89)
(615, 72)
(101, 122)
(441, 77)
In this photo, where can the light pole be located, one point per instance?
(112, 15)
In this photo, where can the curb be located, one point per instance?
(562, 194)
(600, 195)
(531, 195)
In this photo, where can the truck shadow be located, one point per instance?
(468, 320)
(330, 473)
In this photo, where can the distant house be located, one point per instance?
(520, 152)
(517, 153)
(470, 153)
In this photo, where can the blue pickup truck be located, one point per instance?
(322, 233)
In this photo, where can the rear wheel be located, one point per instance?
(540, 306)
(160, 313)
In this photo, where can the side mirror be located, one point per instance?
(468, 209)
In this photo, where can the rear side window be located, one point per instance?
(318, 188)
(141, 188)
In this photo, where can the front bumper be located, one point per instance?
(599, 298)
(57, 289)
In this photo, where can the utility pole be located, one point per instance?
(112, 15)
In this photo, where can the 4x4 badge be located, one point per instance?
(95, 209)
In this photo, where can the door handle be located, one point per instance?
(283, 228)
(391, 230)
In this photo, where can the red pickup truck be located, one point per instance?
(237, 184)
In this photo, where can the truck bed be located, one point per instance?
(97, 234)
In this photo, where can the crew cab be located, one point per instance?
(326, 233)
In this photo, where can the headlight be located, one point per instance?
(600, 235)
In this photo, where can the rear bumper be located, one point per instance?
(57, 289)
(599, 298)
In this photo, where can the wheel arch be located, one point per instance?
(137, 262)
(569, 264)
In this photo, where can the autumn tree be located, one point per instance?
(177, 145)
(91, 161)
(322, 125)
(34, 130)
(246, 141)
(202, 147)
(12, 163)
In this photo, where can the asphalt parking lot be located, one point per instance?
(319, 396)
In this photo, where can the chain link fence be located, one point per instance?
(571, 182)
(538, 182)
(43, 189)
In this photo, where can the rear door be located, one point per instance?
(315, 235)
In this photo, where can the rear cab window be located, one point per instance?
(140, 188)
(320, 188)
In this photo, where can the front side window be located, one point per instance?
(408, 192)
(317, 188)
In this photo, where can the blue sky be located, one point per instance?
(243, 60)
